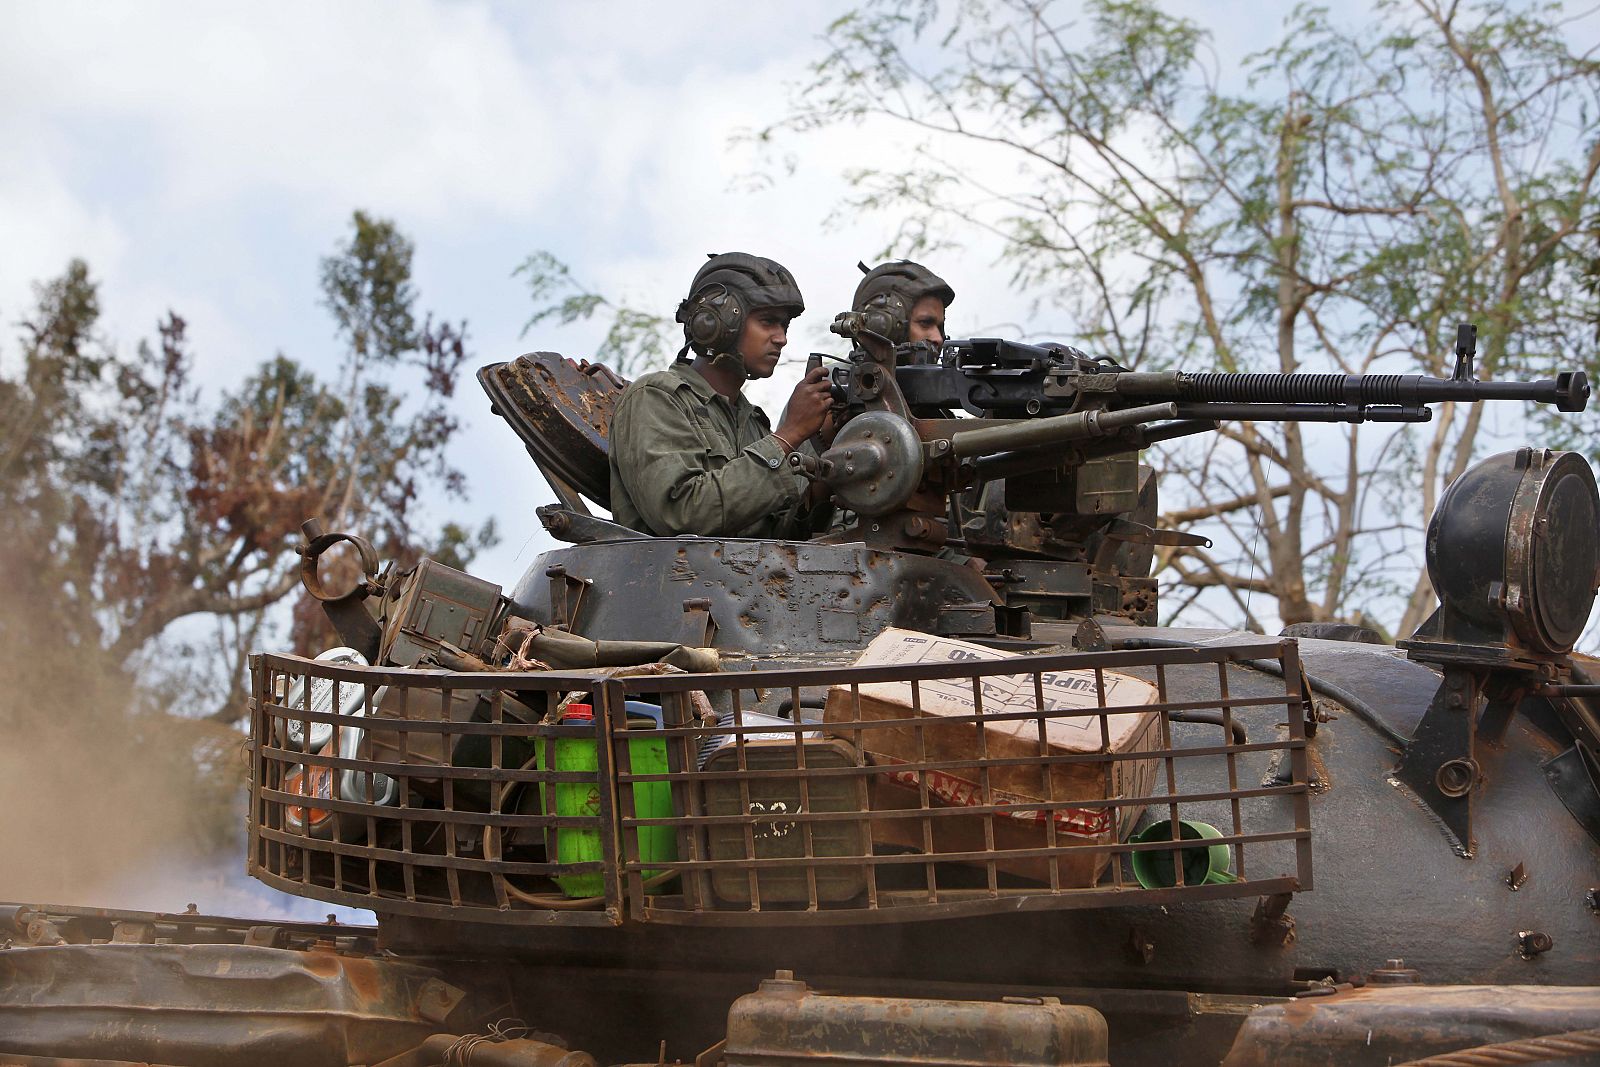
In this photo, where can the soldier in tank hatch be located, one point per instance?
(904, 301)
(690, 454)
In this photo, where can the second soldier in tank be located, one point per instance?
(904, 301)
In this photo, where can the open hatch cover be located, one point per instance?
(562, 411)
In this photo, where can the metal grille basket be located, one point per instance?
(458, 794)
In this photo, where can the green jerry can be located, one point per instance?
(574, 750)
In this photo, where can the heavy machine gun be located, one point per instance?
(991, 377)
(1043, 462)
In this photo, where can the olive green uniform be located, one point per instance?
(687, 460)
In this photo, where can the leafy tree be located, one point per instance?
(635, 341)
(1338, 203)
(92, 447)
(126, 504)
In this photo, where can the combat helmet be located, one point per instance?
(890, 290)
(726, 290)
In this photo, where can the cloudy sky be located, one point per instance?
(203, 157)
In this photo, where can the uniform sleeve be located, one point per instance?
(673, 470)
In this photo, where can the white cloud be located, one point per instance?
(42, 229)
(416, 106)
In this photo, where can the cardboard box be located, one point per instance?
(932, 732)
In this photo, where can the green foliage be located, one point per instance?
(126, 503)
(635, 340)
(1337, 202)
(367, 288)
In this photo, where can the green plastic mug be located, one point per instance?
(1209, 865)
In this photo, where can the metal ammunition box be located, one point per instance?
(440, 604)
(757, 786)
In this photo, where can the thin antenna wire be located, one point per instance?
(1249, 582)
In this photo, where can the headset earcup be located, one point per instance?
(716, 320)
(886, 314)
(704, 326)
(730, 315)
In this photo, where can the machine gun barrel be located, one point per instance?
(1569, 391)
(1057, 429)
(1245, 412)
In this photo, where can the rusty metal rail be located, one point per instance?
(466, 763)
(921, 791)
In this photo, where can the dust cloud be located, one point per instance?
(113, 798)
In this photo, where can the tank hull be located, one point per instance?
(1388, 884)
(1173, 981)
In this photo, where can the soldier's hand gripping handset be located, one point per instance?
(807, 409)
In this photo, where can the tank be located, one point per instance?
(930, 788)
